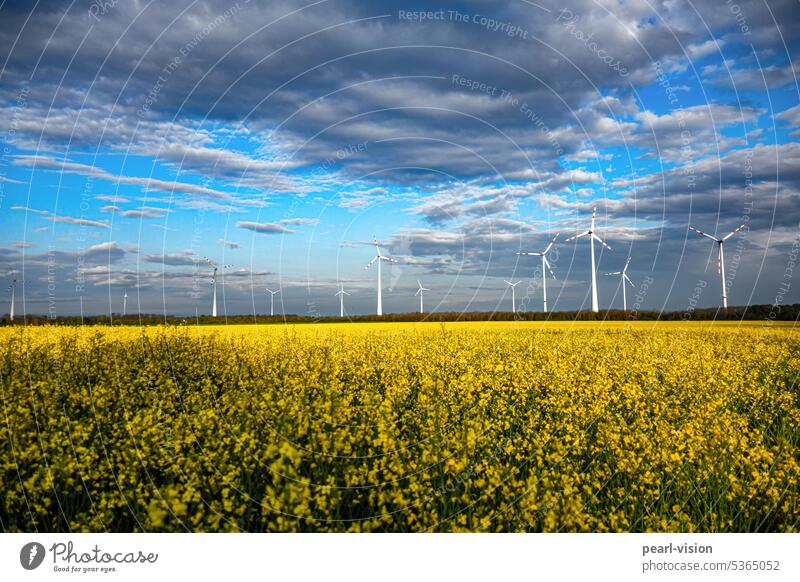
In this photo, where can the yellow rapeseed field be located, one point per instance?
(401, 427)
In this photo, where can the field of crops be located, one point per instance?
(406, 427)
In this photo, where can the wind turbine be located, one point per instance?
(513, 295)
(592, 237)
(341, 293)
(720, 258)
(379, 257)
(125, 303)
(623, 279)
(272, 295)
(545, 265)
(13, 299)
(421, 293)
(214, 284)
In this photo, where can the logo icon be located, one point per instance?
(31, 555)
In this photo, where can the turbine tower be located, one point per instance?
(125, 303)
(720, 258)
(513, 295)
(13, 299)
(341, 293)
(379, 257)
(623, 279)
(421, 293)
(592, 237)
(545, 265)
(272, 295)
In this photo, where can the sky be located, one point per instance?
(279, 139)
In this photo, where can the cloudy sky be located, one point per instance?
(139, 138)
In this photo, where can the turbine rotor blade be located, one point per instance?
(733, 232)
(601, 241)
(705, 234)
(547, 264)
(550, 246)
(628, 279)
(584, 233)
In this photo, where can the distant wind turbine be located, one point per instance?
(125, 303)
(13, 299)
(215, 268)
(379, 257)
(421, 293)
(513, 295)
(624, 279)
(592, 237)
(720, 258)
(272, 295)
(545, 266)
(341, 293)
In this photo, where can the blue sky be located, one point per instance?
(140, 138)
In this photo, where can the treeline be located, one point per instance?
(752, 312)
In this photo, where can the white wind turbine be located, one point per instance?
(13, 299)
(720, 258)
(545, 266)
(624, 279)
(341, 293)
(592, 237)
(125, 303)
(379, 257)
(215, 268)
(513, 295)
(421, 293)
(272, 295)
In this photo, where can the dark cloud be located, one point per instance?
(323, 77)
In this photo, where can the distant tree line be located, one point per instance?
(752, 313)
